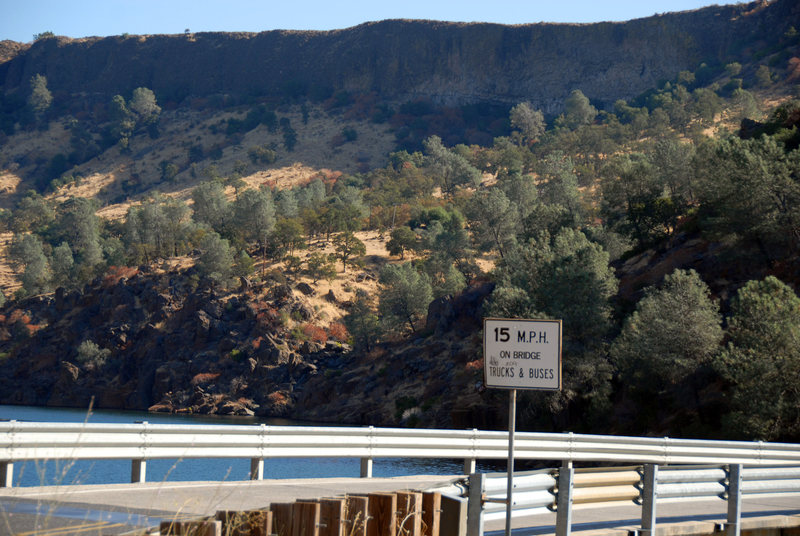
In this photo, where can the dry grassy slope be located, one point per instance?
(105, 176)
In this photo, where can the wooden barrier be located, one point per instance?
(409, 513)
(200, 527)
(382, 508)
(431, 513)
(356, 515)
(403, 513)
(333, 517)
(306, 518)
(282, 518)
(247, 523)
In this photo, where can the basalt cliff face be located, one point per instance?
(445, 62)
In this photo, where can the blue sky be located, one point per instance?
(21, 19)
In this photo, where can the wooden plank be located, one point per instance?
(245, 523)
(197, 527)
(333, 517)
(356, 514)
(306, 518)
(409, 513)
(282, 518)
(382, 514)
(431, 513)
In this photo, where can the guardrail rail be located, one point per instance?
(557, 490)
(139, 442)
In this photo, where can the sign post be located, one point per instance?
(520, 354)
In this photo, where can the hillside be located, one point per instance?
(258, 223)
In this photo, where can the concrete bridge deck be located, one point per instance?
(122, 508)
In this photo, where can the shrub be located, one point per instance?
(315, 333)
(475, 365)
(90, 354)
(115, 273)
(337, 331)
(262, 154)
(277, 398)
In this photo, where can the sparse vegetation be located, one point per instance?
(677, 210)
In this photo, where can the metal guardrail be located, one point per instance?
(22, 441)
(557, 490)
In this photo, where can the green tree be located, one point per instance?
(706, 105)
(290, 235)
(122, 121)
(168, 170)
(254, 214)
(243, 264)
(763, 76)
(79, 220)
(144, 107)
(733, 68)
(633, 199)
(33, 213)
(578, 111)
(321, 266)
(566, 276)
(527, 121)
(769, 214)
(401, 240)
(446, 279)
(211, 206)
(493, 220)
(404, 296)
(62, 266)
(450, 169)
(673, 164)
(349, 249)
(761, 362)
(362, 322)
(675, 329)
(40, 98)
(160, 226)
(745, 104)
(559, 184)
(286, 204)
(27, 252)
(216, 259)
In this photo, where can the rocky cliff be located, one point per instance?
(445, 62)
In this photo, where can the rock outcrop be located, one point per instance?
(160, 344)
(399, 59)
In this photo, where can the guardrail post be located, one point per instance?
(734, 525)
(6, 474)
(564, 502)
(256, 468)
(475, 505)
(649, 495)
(138, 471)
(469, 466)
(366, 467)
(366, 462)
(7, 467)
(139, 465)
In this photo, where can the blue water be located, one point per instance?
(171, 470)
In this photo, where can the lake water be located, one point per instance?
(170, 470)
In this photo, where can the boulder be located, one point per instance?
(305, 288)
